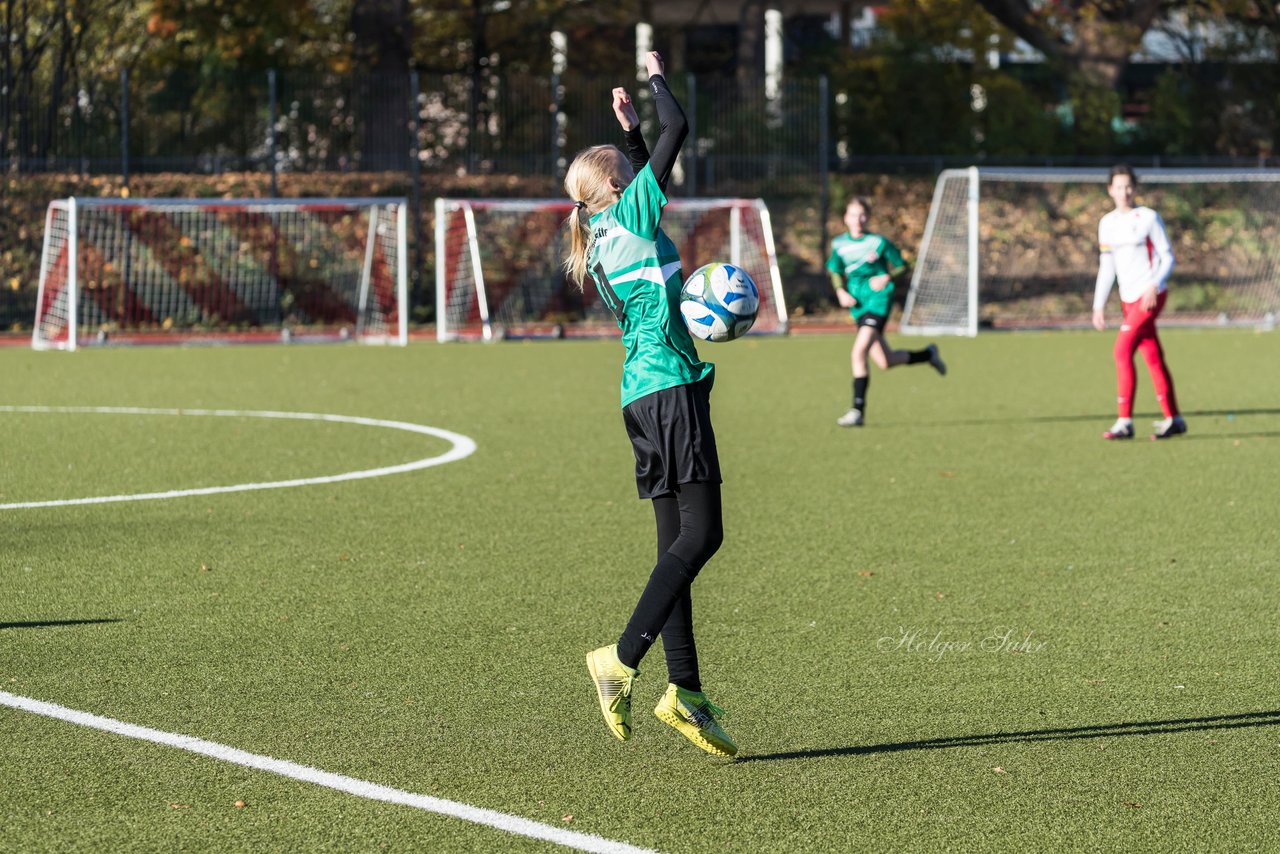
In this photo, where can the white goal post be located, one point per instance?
(156, 270)
(499, 274)
(1017, 248)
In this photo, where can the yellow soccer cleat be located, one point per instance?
(694, 717)
(613, 681)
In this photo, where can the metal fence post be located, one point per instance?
(557, 137)
(271, 131)
(124, 129)
(824, 165)
(473, 122)
(415, 178)
(691, 97)
(124, 177)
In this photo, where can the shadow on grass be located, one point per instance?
(1104, 419)
(1194, 412)
(40, 624)
(1177, 725)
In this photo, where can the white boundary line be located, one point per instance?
(339, 782)
(462, 447)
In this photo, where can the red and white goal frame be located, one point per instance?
(180, 270)
(499, 273)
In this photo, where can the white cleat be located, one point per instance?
(1122, 429)
(1169, 427)
(852, 418)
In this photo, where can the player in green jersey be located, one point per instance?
(616, 238)
(863, 267)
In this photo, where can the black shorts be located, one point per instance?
(671, 435)
(875, 321)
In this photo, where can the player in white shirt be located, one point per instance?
(1134, 250)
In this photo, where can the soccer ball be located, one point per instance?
(719, 302)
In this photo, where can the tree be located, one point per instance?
(1091, 42)
(53, 50)
(497, 56)
(1226, 51)
(475, 36)
(215, 36)
(201, 84)
(923, 86)
(1091, 39)
(750, 44)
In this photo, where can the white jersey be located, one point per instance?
(1135, 250)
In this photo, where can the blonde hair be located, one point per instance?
(596, 177)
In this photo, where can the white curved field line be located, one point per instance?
(350, 785)
(462, 447)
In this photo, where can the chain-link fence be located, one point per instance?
(420, 133)
(292, 121)
(452, 124)
(791, 142)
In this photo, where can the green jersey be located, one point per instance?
(859, 259)
(636, 269)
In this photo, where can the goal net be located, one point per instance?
(499, 273)
(136, 270)
(1019, 247)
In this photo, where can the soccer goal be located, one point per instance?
(139, 270)
(1019, 247)
(499, 274)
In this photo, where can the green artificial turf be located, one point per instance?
(969, 625)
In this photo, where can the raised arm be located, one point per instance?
(671, 119)
(637, 151)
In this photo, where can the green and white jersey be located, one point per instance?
(637, 273)
(859, 259)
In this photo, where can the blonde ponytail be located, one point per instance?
(575, 262)
(596, 177)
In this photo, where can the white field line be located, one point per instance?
(462, 447)
(339, 782)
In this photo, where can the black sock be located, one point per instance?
(860, 392)
(915, 357)
(669, 582)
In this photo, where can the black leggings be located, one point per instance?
(690, 530)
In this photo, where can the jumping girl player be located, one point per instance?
(863, 266)
(1134, 249)
(616, 238)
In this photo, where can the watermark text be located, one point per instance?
(936, 645)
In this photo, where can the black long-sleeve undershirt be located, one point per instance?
(673, 128)
(637, 151)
